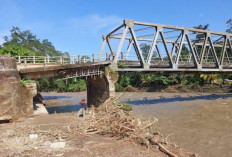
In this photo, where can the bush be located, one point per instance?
(125, 107)
(55, 84)
(25, 81)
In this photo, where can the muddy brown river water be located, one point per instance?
(200, 123)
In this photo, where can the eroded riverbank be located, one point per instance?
(200, 123)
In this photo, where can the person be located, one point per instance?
(81, 112)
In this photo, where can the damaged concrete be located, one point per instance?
(100, 88)
(16, 100)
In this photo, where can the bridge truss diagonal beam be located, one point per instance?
(203, 47)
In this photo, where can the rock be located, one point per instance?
(6, 117)
(57, 145)
(46, 143)
(40, 109)
(33, 136)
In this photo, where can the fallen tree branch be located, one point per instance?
(162, 148)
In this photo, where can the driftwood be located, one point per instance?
(162, 148)
(109, 119)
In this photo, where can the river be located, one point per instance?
(200, 123)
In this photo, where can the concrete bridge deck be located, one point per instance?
(51, 70)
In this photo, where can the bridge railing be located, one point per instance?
(183, 58)
(60, 60)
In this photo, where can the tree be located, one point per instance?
(145, 48)
(25, 40)
(229, 26)
(15, 50)
(200, 37)
(85, 57)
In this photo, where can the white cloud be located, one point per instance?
(94, 23)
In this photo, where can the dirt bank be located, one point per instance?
(105, 131)
(15, 139)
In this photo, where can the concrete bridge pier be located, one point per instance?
(100, 88)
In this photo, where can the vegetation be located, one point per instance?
(161, 81)
(121, 65)
(25, 81)
(55, 84)
(229, 26)
(125, 106)
(27, 44)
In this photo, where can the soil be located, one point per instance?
(16, 141)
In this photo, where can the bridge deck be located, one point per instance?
(30, 68)
(65, 71)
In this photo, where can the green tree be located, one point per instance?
(25, 40)
(200, 37)
(15, 50)
(229, 26)
(145, 48)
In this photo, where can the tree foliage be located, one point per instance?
(15, 50)
(145, 48)
(26, 43)
(229, 26)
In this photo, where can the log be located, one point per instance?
(162, 148)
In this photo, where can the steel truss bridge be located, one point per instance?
(204, 50)
(165, 48)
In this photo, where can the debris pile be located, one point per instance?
(67, 134)
(109, 119)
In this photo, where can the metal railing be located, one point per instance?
(60, 60)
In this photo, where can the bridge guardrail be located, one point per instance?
(60, 60)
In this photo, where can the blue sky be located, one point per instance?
(77, 26)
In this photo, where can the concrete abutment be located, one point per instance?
(101, 88)
(16, 101)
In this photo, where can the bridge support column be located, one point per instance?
(100, 88)
(16, 101)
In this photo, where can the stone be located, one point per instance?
(46, 143)
(6, 117)
(40, 109)
(57, 145)
(33, 136)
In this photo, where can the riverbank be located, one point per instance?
(38, 137)
(207, 88)
(198, 122)
(105, 131)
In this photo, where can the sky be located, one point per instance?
(77, 26)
